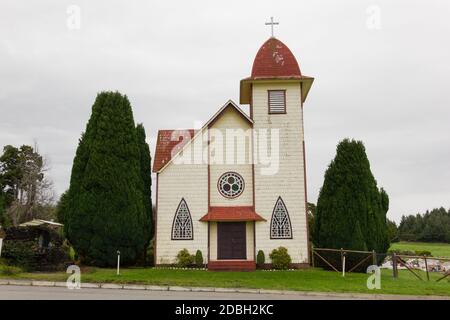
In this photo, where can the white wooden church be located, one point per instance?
(238, 184)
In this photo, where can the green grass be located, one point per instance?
(302, 280)
(436, 249)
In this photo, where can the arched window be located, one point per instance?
(182, 223)
(280, 225)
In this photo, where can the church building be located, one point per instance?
(237, 185)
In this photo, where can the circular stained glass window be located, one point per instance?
(230, 185)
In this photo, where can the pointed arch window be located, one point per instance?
(182, 223)
(280, 225)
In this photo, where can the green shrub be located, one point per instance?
(9, 270)
(280, 258)
(423, 253)
(150, 255)
(402, 252)
(21, 253)
(260, 258)
(199, 258)
(185, 259)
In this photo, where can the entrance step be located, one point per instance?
(231, 265)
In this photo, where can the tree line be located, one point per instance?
(432, 226)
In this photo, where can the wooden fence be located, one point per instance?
(367, 255)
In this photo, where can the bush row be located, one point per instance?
(280, 258)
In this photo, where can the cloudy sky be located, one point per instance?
(381, 68)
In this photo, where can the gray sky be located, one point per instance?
(180, 61)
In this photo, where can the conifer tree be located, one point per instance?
(105, 210)
(145, 167)
(351, 210)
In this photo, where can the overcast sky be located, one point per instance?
(384, 81)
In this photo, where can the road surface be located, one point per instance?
(10, 292)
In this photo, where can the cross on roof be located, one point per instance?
(271, 24)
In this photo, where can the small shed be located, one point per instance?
(36, 245)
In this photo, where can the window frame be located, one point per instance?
(190, 220)
(235, 196)
(272, 237)
(268, 101)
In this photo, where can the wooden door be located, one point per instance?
(231, 240)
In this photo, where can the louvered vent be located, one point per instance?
(277, 101)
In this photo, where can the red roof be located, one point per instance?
(275, 60)
(237, 213)
(168, 143)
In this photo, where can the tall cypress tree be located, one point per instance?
(145, 167)
(351, 210)
(105, 210)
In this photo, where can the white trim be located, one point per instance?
(205, 126)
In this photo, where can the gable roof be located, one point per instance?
(166, 145)
(170, 142)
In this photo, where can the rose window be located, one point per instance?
(230, 185)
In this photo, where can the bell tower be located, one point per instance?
(276, 92)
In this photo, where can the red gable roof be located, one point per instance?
(237, 213)
(275, 60)
(168, 143)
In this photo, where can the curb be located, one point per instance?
(107, 286)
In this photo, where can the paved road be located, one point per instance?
(9, 292)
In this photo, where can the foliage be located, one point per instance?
(21, 248)
(392, 230)
(10, 270)
(433, 226)
(150, 255)
(21, 253)
(61, 207)
(146, 175)
(25, 191)
(423, 253)
(260, 258)
(280, 258)
(436, 249)
(4, 222)
(185, 259)
(402, 252)
(199, 258)
(311, 219)
(106, 206)
(351, 210)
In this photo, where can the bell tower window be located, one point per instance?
(277, 101)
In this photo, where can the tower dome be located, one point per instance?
(275, 60)
(274, 63)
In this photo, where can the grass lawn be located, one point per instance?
(436, 249)
(302, 280)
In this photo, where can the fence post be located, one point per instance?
(343, 262)
(426, 268)
(394, 265)
(312, 255)
(374, 258)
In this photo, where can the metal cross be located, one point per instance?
(271, 24)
